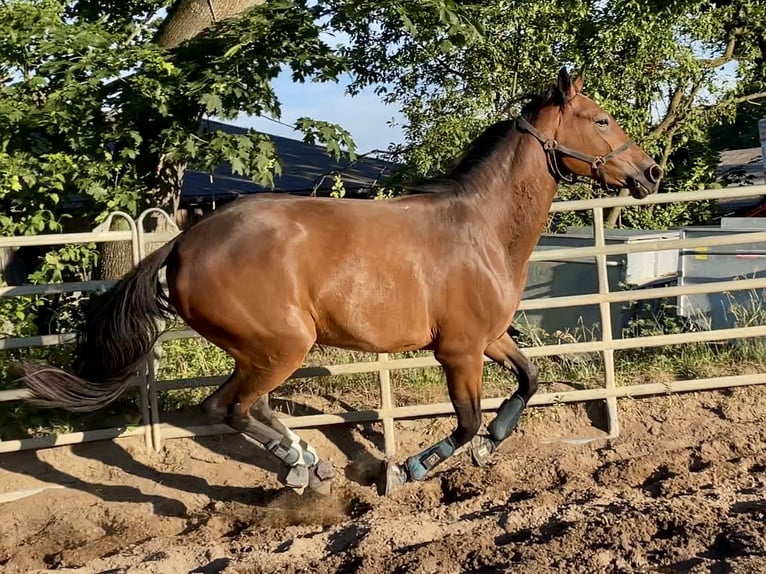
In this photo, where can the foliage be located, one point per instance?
(96, 116)
(450, 88)
(91, 107)
(742, 131)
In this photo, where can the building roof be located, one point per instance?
(742, 165)
(737, 168)
(306, 169)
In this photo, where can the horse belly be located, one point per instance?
(375, 313)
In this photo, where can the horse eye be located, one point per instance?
(602, 122)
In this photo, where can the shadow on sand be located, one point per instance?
(232, 446)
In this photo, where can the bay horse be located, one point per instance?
(267, 277)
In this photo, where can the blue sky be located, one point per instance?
(364, 116)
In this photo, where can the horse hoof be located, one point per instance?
(321, 477)
(482, 448)
(296, 478)
(395, 477)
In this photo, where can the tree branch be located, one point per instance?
(671, 113)
(728, 53)
(613, 216)
(678, 109)
(186, 20)
(739, 100)
(668, 149)
(449, 69)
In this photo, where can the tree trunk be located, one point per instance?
(187, 19)
(167, 196)
(115, 257)
(611, 219)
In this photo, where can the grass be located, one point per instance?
(197, 358)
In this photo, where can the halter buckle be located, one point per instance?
(598, 162)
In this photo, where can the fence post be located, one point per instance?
(150, 366)
(606, 323)
(386, 404)
(762, 136)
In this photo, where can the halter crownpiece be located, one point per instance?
(551, 146)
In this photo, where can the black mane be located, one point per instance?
(482, 148)
(538, 101)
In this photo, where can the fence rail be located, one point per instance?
(155, 430)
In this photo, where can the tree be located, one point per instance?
(187, 19)
(741, 131)
(450, 87)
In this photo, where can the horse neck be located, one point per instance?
(512, 194)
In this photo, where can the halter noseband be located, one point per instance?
(551, 146)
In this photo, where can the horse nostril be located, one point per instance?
(654, 173)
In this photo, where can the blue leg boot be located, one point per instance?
(508, 415)
(417, 467)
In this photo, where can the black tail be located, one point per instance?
(121, 328)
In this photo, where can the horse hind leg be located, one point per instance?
(242, 402)
(216, 404)
(319, 474)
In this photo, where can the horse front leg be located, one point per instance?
(464, 373)
(506, 353)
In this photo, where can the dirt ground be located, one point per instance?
(683, 489)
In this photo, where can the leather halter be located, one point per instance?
(551, 146)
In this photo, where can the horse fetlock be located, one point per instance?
(507, 418)
(286, 451)
(482, 448)
(308, 455)
(215, 413)
(292, 452)
(419, 465)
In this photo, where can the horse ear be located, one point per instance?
(577, 84)
(564, 85)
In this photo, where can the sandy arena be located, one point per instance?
(682, 490)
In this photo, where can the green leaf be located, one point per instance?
(212, 103)
(237, 166)
(232, 51)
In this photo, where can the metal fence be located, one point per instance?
(155, 430)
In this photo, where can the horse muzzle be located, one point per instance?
(646, 183)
